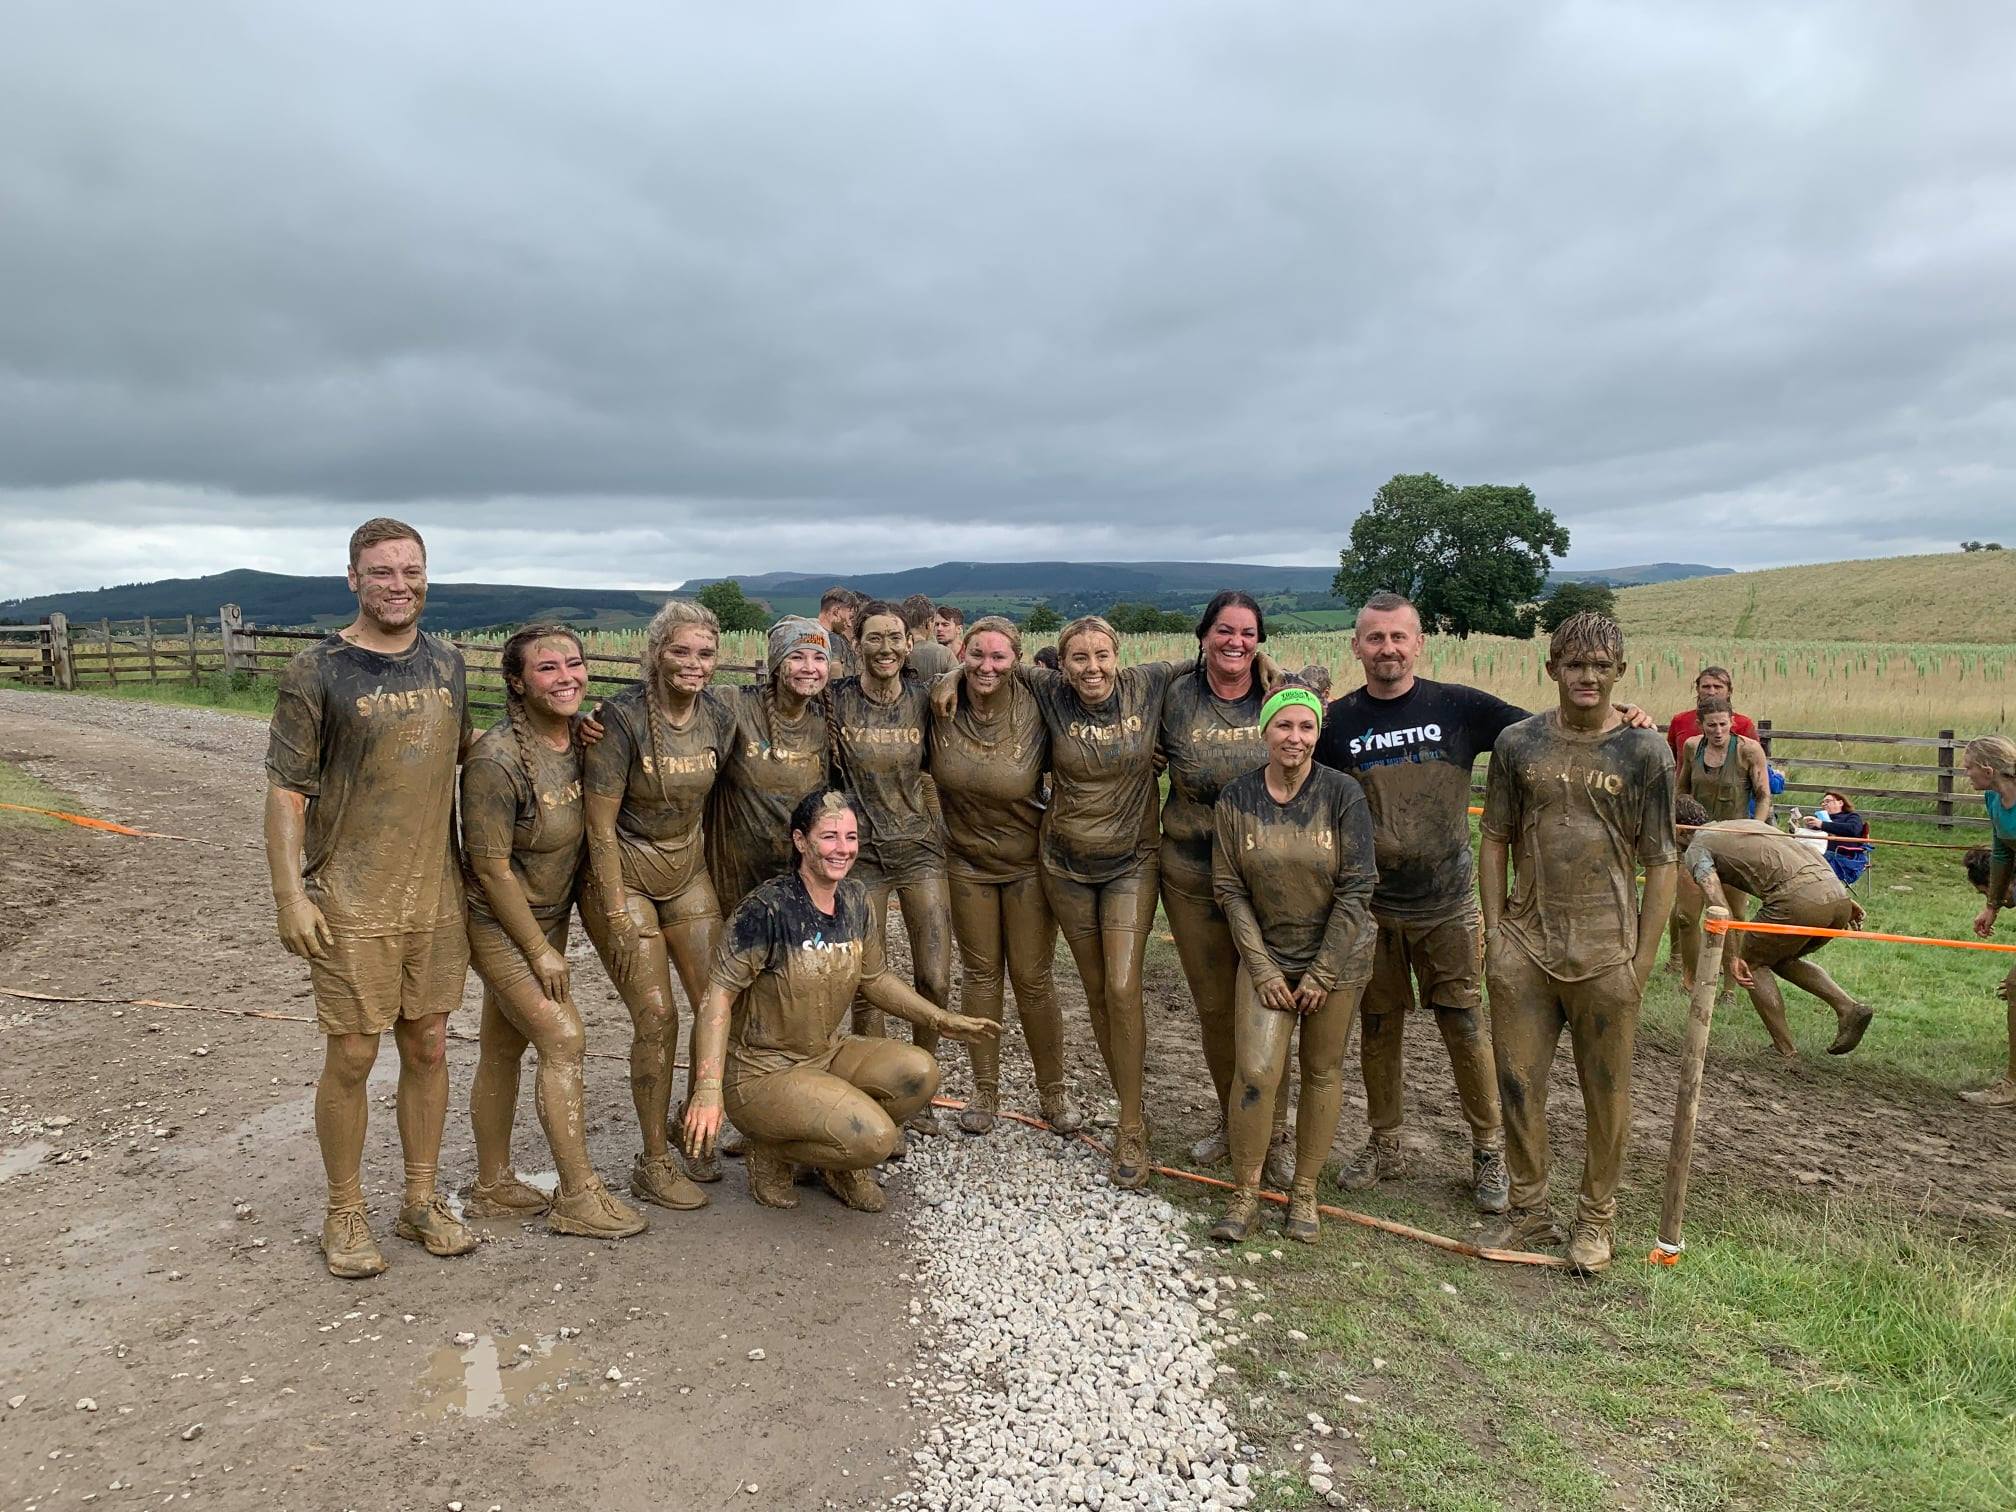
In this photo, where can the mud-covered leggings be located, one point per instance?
(517, 1013)
(1262, 1037)
(840, 1113)
(1005, 930)
(677, 931)
(926, 903)
(1210, 963)
(1106, 925)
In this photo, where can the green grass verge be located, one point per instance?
(239, 694)
(16, 786)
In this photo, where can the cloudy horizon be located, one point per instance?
(644, 293)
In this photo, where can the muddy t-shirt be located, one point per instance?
(1413, 755)
(768, 769)
(1295, 879)
(1102, 771)
(1762, 861)
(884, 748)
(989, 774)
(1209, 740)
(1581, 813)
(842, 660)
(663, 777)
(928, 659)
(373, 741)
(1723, 789)
(531, 819)
(793, 971)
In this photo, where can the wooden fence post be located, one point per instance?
(61, 670)
(111, 667)
(1764, 737)
(1946, 780)
(147, 626)
(189, 645)
(230, 624)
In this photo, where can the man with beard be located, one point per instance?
(367, 732)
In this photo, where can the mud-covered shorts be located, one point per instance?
(497, 958)
(366, 984)
(1769, 950)
(1443, 955)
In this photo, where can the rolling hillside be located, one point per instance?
(1953, 597)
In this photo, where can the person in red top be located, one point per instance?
(1709, 682)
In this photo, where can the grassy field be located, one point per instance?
(1809, 1352)
(16, 786)
(1954, 596)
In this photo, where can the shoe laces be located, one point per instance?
(437, 1208)
(352, 1231)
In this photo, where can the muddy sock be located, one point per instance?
(420, 1178)
(346, 1193)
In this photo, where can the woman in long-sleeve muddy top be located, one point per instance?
(772, 1047)
(1292, 866)
(521, 846)
(648, 901)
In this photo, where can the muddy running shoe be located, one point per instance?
(977, 1117)
(1381, 1160)
(659, 1179)
(1130, 1157)
(1589, 1248)
(509, 1198)
(1490, 1182)
(592, 1213)
(857, 1189)
(1241, 1213)
(1060, 1112)
(1302, 1223)
(348, 1246)
(1526, 1229)
(1853, 1023)
(772, 1181)
(925, 1121)
(1279, 1170)
(434, 1225)
(1997, 1094)
(1213, 1147)
(704, 1168)
(733, 1142)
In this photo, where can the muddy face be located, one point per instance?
(1229, 643)
(946, 630)
(1715, 730)
(1291, 739)
(390, 581)
(1386, 643)
(826, 854)
(1585, 679)
(803, 672)
(1091, 664)
(884, 645)
(988, 659)
(555, 678)
(687, 664)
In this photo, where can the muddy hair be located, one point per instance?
(1001, 625)
(836, 597)
(871, 608)
(1227, 598)
(1979, 862)
(1587, 631)
(376, 532)
(1085, 624)
(1316, 678)
(916, 611)
(951, 612)
(818, 802)
(1708, 706)
(1719, 672)
(511, 664)
(1995, 752)
(673, 616)
(1688, 810)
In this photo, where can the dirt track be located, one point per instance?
(133, 1280)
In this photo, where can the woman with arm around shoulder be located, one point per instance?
(1292, 864)
(772, 1047)
(1991, 767)
(988, 757)
(522, 839)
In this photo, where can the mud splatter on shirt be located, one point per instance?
(664, 786)
(1295, 879)
(532, 819)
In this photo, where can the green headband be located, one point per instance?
(1282, 698)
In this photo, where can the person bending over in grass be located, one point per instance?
(1794, 885)
(1991, 767)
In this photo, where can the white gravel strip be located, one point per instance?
(1069, 1362)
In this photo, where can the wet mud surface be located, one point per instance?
(160, 1203)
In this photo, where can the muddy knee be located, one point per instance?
(566, 1041)
(348, 1058)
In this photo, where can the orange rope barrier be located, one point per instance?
(1841, 839)
(1719, 926)
(85, 821)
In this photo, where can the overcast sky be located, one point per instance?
(623, 294)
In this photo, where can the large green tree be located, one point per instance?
(1042, 618)
(1470, 558)
(732, 607)
(1570, 599)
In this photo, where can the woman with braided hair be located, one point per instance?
(1990, 762)
(522, 839)
(648, 901)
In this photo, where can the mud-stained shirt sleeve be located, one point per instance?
(1228, 885)
(606, 767)
(1655, 816)
(748, 942)
(856, 923)
(1698, 859)
(294, 740)
(491, 802)
(1345, 954)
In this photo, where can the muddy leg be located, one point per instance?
(927, 919)
(977, 925)
(1260, 1040)
(1325, 1036)
(1526, 1023)
(341, 1109)
(493, 1092)
(866, 1021)
(647, 993)
(1467, 1039)
(1210, 962)
(1603, 1026)
(423, 1099)
(1126, 914)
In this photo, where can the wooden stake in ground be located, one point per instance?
(1687, 1102)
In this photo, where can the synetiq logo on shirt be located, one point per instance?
(1396, 740)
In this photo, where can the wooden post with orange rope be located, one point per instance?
(1687, 1101)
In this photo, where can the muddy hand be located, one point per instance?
(589, 726)
(1739, 969)
(702, 1124)
(1309, 997)
(945, 694)
(1857, 914)
(962, 1026)
(1277, 995)
(1984, 923)
(623, 943)
(549, 969)
(304, 931)
(1636, 718)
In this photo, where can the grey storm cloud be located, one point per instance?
(711, 286)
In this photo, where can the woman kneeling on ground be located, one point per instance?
(1292, 867)
(772, 1047)
(522, 839)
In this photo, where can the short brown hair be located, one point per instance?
(836, 597)
(917, 611)
(377, 532)
(1587, 631)
(951, 612)
(1722, 673)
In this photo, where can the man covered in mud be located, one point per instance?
(367, 731)
(837, 612)
(1576, 802)
(1793, 885)
(929, 657)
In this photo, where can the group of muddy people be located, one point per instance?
(1312, 859)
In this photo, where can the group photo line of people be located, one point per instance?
(1313, 858)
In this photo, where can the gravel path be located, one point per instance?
(211, 731)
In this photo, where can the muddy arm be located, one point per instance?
(1654, 909)
(303, 930)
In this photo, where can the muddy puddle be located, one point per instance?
(19, 1158)
(496, 1375)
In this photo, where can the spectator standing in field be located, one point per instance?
(837, 612)
(948, 624)
(1709, 682)
(928, 659)
(1845, 830)
(367, 730)
(1793, 885)
(1575, 803)
(1991, 767)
